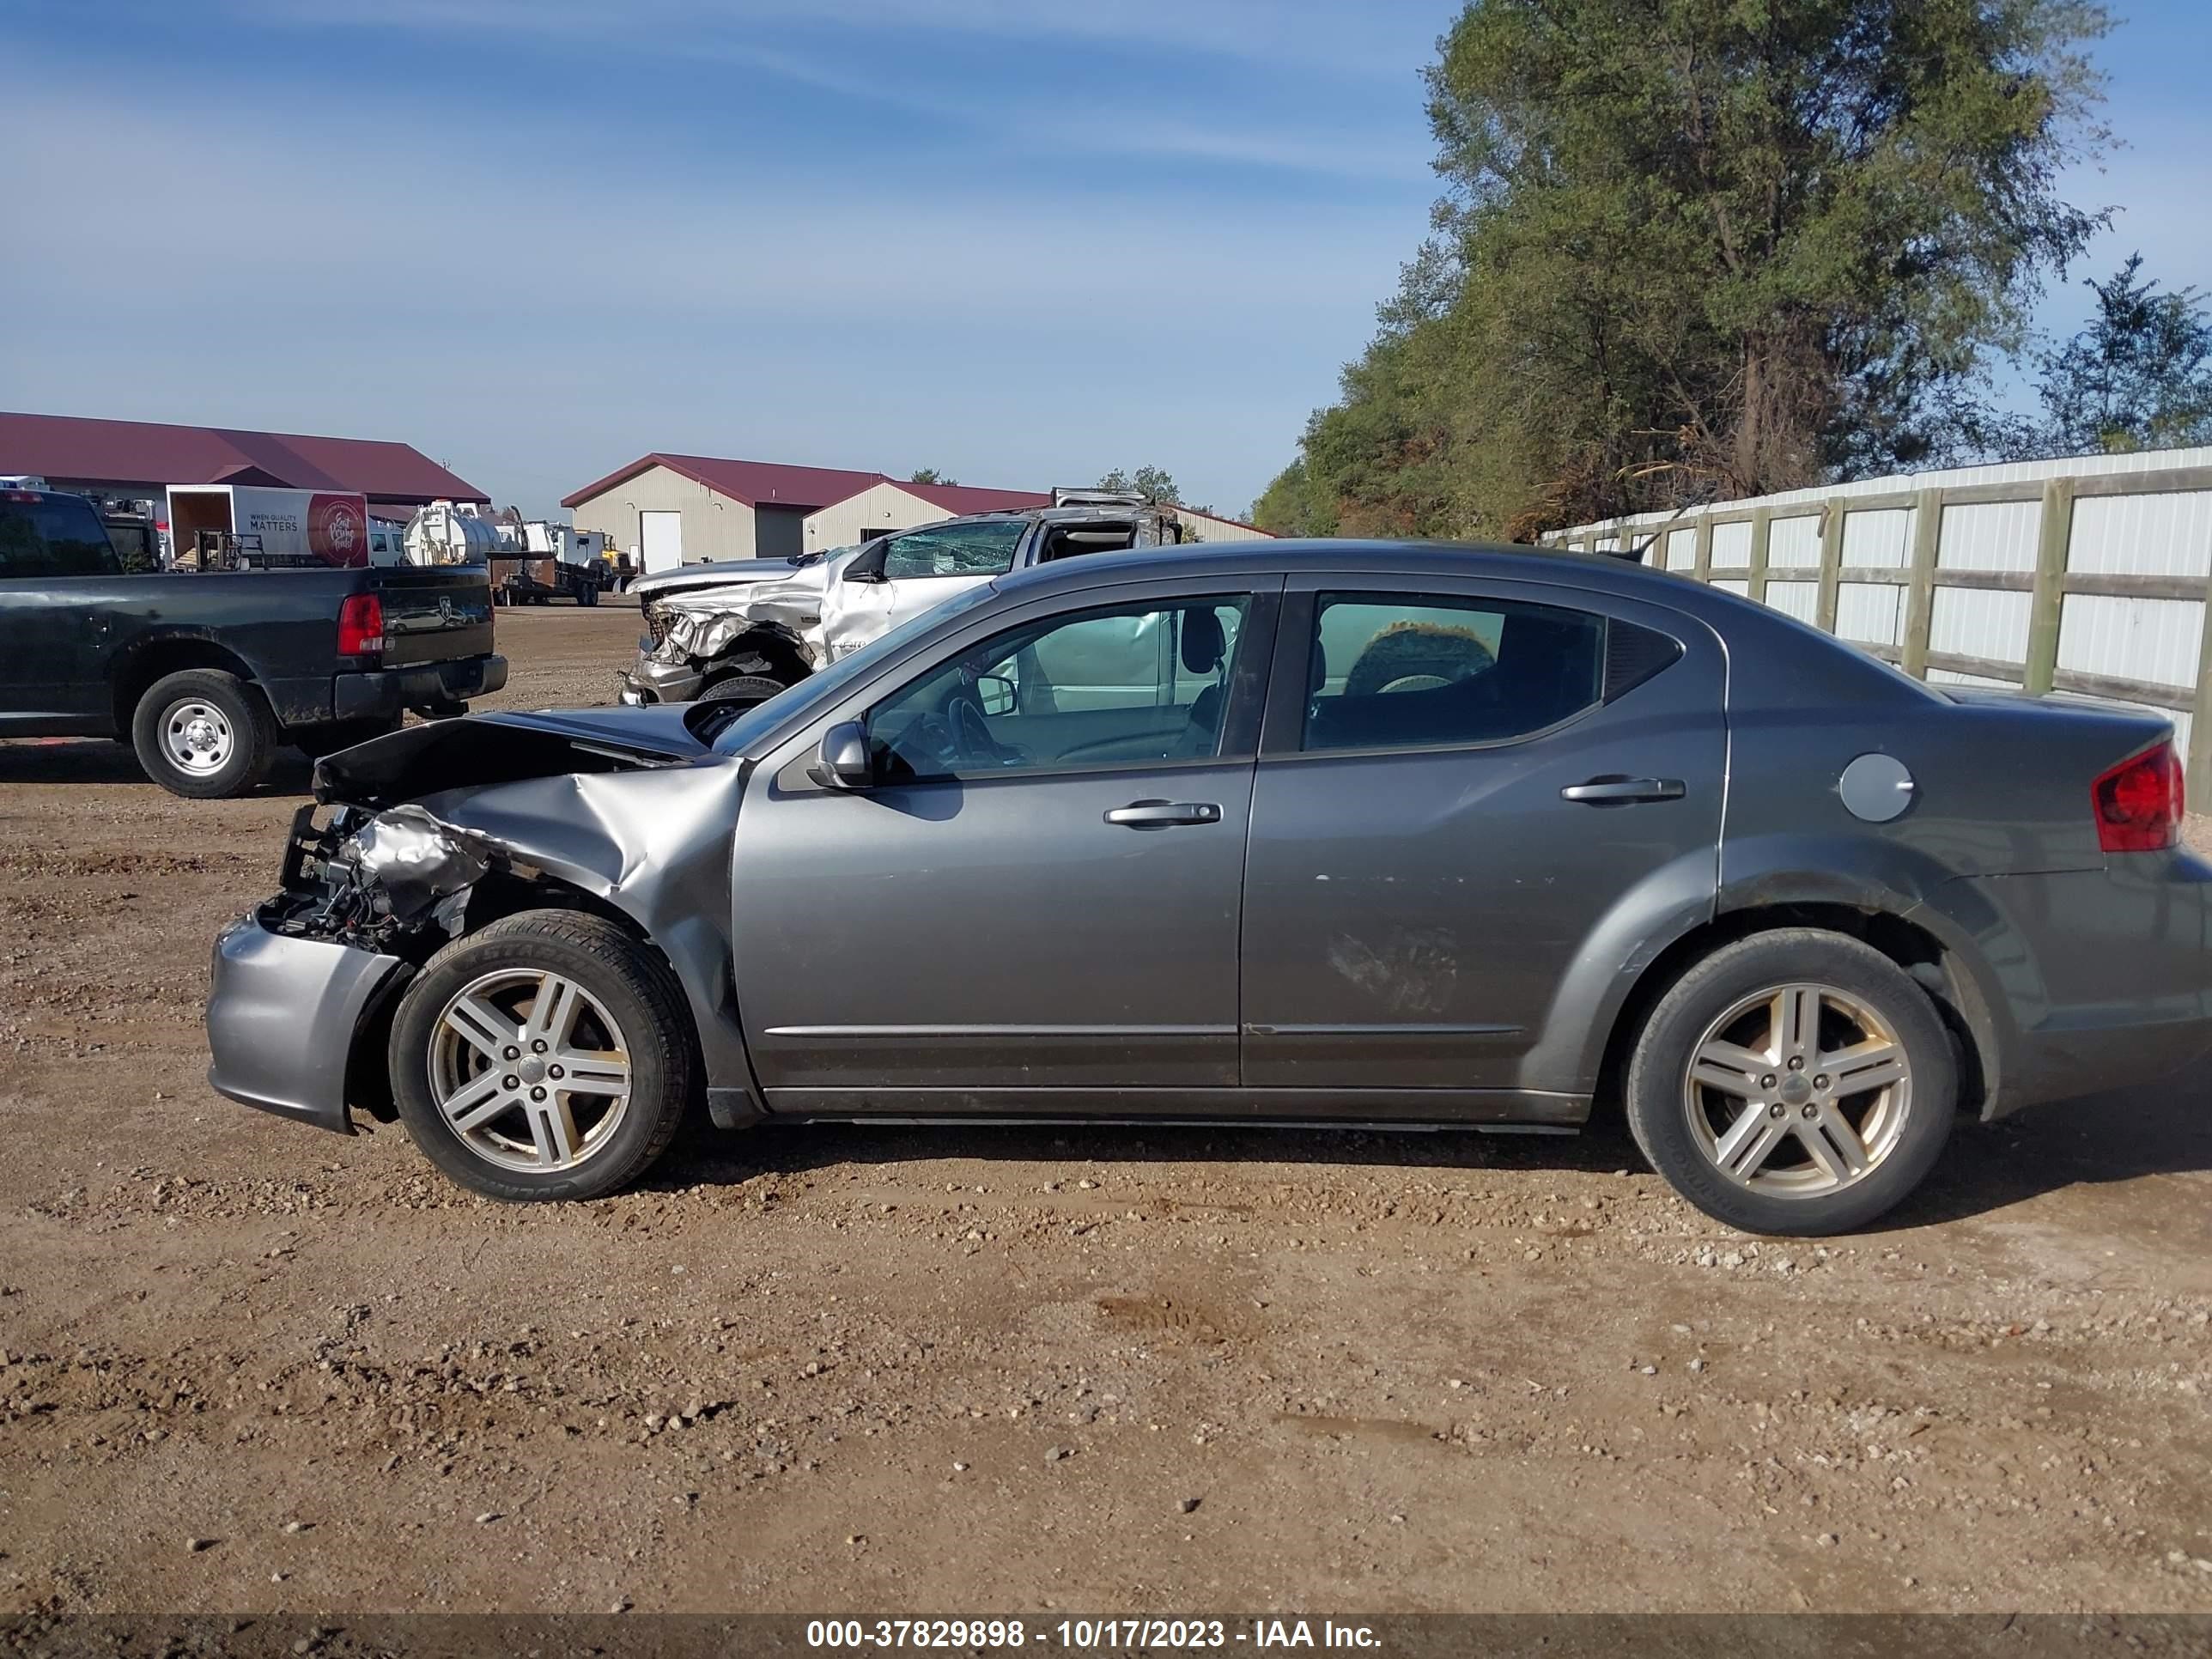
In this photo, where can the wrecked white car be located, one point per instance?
(741, 631)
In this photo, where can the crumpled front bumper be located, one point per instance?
(653, 681)
(281, 1019)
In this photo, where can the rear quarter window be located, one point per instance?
(50, 535)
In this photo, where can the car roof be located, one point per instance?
(1288, 556)
(1074, 511)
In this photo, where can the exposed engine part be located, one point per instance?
(374, 881)
(415, 859)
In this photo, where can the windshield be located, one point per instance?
(732, 729)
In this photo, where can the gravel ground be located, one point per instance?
(252, 1367)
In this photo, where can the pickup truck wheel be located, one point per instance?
(548, 1056)
(204, 734)
(742, 688)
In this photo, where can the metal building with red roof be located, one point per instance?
(140, 459)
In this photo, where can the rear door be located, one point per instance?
(1460, 787)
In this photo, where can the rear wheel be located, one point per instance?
(203, 734)
(546, 1056)
(1796, 1082)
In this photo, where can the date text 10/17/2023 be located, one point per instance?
(1114, 1635)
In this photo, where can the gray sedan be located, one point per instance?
(1283, 833)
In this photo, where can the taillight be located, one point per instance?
(2139, 803)
(361, 626)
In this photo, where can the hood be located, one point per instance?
(731, 573)
(804, 582)
(505, 748)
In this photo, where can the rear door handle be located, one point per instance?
(1161, 814)
(1600, 792)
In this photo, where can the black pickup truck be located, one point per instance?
(206, 674)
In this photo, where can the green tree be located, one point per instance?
(1689, 246)
(929, 475)
(1154, 484)
(2139, 373)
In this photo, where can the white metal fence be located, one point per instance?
(2087, 575)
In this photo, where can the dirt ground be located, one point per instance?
(248, 1366)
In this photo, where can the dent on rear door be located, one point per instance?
(1445, 920)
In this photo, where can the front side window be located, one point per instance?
(985, 548)
(1406, 670)
(1120, 685)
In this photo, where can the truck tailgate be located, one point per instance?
(433, 613)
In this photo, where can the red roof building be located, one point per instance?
(683, 509)
(140, 459)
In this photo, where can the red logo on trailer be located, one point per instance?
(338, 529)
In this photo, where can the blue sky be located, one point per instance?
(1021, 240)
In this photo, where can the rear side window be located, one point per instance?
(45, 535)
(1407, 671)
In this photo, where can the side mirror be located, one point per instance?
(843, 760)
(868, 567)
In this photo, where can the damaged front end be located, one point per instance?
(382, 882)
(773, 627)
(365, 901)
(423, 836)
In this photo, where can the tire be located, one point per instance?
(630, 1006)
(587, 595)
(203, 734)
(1795, 1128)
(742, 688)
(1416, 657)
(316, 741)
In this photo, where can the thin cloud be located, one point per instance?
(1380, 38)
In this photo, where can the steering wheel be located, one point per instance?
(972, 742)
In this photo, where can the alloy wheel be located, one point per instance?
(530, 1070)
(1798, 1090)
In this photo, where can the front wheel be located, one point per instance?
(742, 688)
(203, 734)
(548, 1056)
(1796, 1082)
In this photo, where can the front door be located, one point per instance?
(1461, 786)
(58, 582)
(901, 576)
(1037, 903)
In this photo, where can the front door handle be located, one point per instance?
(1602, 792)
(1161, 814)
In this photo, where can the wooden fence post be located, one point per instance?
(1920, 595)
(2053, 541)
(1832, 563)
(1701, 569)
(1762, 535)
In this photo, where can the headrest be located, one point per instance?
(1203, 641)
